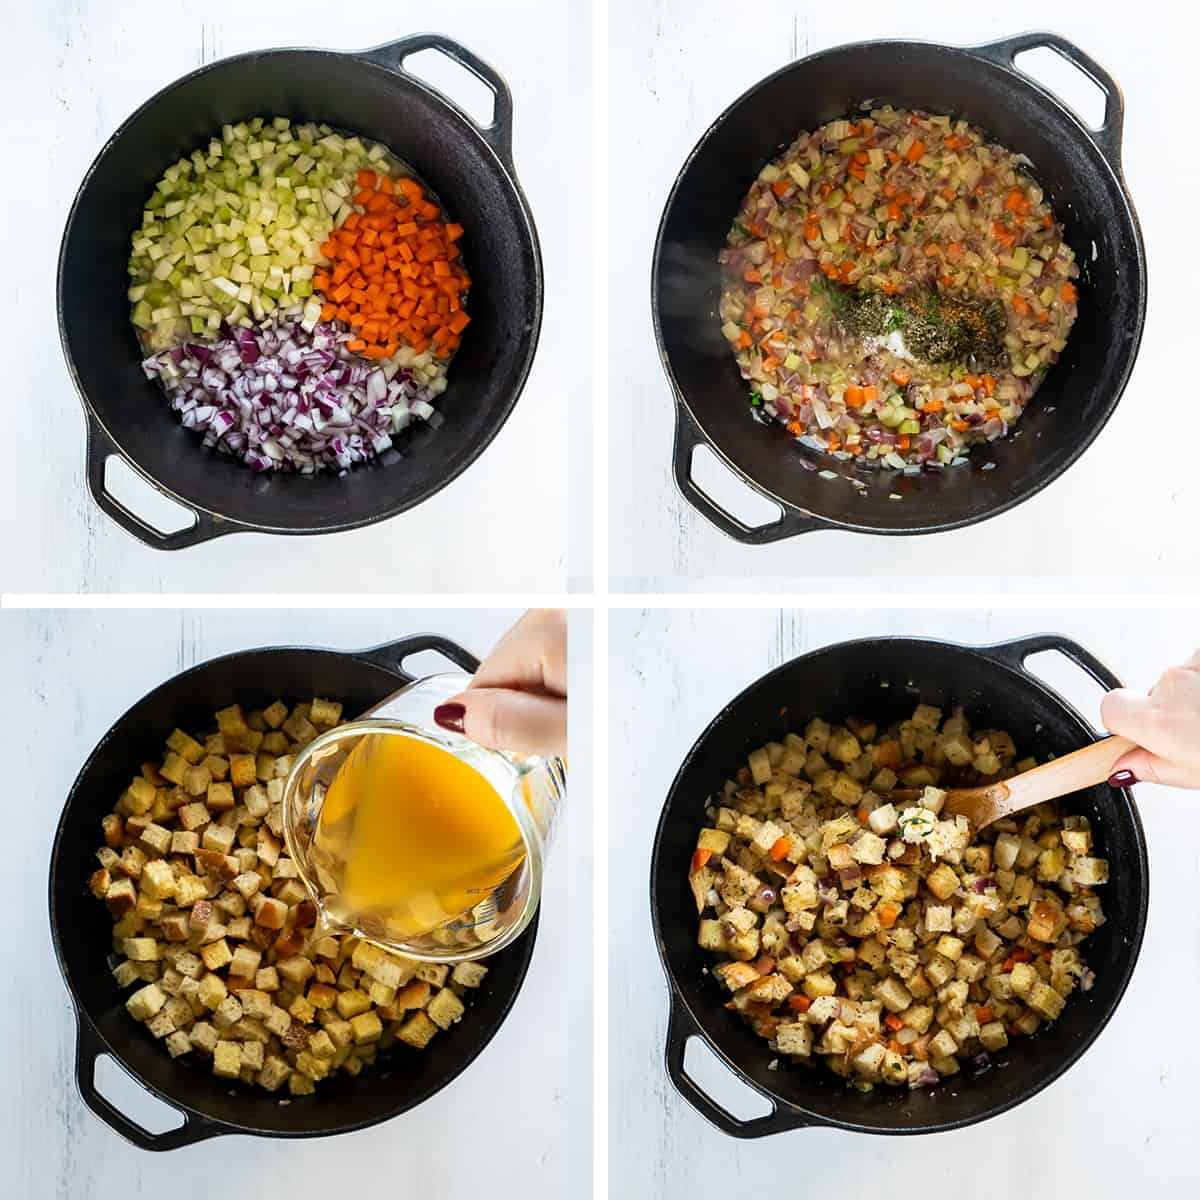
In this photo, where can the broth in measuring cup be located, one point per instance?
(410, 839)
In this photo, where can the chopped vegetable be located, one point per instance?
(911, 257)
(283, 398)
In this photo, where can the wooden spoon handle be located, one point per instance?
(1061, 776)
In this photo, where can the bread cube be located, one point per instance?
(895, 996)
(142, 949)
(275, 1071)
(325, 713)
(146, 1002)
(367, 1027)
(418, 1031)
(1045, 1001)
(794, 1039)
(942, 882)
(227, 1060)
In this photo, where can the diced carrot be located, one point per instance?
(888, 753)
(932, 406)
(861, 815)
(354, 345)
(854, 396)
(752, 275)
(915, 151)
(903, 442)
(799, 1002)
(700, 859)
(960, 425)
(781, 187)
(1020, 306)
(780, 849)
(893, 1022)
(870, 392)
(887, 915)
(983, 1014)
(1068, 293)
(1016, 201)
(901, 376)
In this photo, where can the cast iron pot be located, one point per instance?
(1080, 170)
(369, 93)
(82, 928)
(991, 683)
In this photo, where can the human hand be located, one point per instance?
(1166, 726)
(517, 700)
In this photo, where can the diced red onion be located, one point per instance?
(283, 399)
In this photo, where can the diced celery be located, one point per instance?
(909, 426)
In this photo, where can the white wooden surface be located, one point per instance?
(1120, 512)
(83, 66)
(518, 1120)
(1121, 1120)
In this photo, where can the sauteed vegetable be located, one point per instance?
(895, 289)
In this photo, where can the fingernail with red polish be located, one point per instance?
(1120, 779)
(450, 716)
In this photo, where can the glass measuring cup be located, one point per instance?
(531, 788)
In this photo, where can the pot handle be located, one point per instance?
(687, 438)
(1015, 653)
(88, 1048)
(499, 133)
(100, 448)
(680, 1030)
(392, 654)
(1108, 136)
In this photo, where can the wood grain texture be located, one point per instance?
(509, 1125)
(84, 66)
(1121, 1119)
(676, 65)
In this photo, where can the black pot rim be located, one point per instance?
(87, 1027)
(800, 1115)
(506, 169)
(1086, 436)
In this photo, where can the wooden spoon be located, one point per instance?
(1058, 777)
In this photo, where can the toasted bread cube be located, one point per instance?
(275, 714)
(220, 839)
(121, 897)
(227, 1060)
(468, 974)
(271, 913)
(178, 1043)
(1090, 872)
(993, 1036)
(146, 1002)
(942, 882)
(1045, 1001)
(299, 729)
(220, 797)
(158, 880)
(247, 884)
(174, 767)
(216, 954)
(951, 947)
(193, 816)
(434, 973)
(894, 995)
(278, 1020)
(367, 1027)
(325, 713)
(301, 1010)
(203, 1037)
(351, 1003)
(227, 1013)
(868, 849)
(113, 829)
(1023, 979)
(446, 1008)
(794, 1039)
(242, 770)
(245, 961)
(300, 1084)
(320, 995)
(417, 1031)
(189, 889)
(185, 746)
(1077, 841)
(943, 1044)
(196, 780)
(295, 969)
(231, 722)
(275, 1071)
(156, 838)
(184, 842)
(142, 949)
(211, 991)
